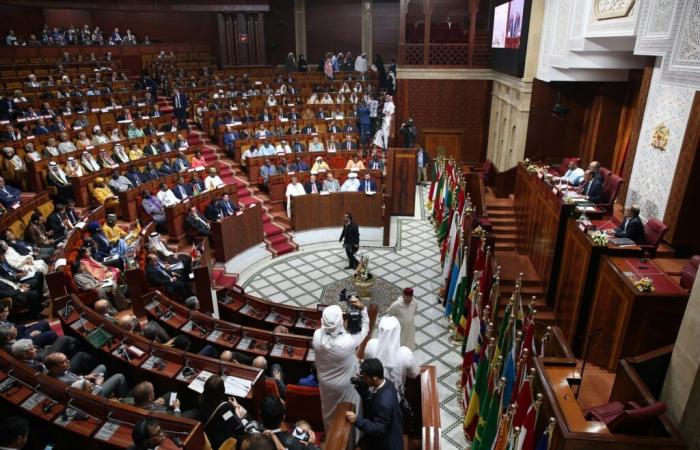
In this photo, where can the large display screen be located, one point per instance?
(500, 26)
(508, 24)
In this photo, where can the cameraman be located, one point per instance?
(381, 419)
(336, 358)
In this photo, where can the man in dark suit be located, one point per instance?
(375, 163)
(161, 278)
(180, 108)
(213, 211)
(311, 184)
(350, 237)
(299, 165)
(196, 222)
(151, 173)
(298, 147)
(182, 190)
(196, 184)
(367, 185)
(137, 178)
(631, 227)
(308, 129)
(348, 144)
(272, 413)
(57, 220)
(9, 196)
(350, 128)
(381, 413)
(228, 208)
(592, 187)
(165, 168)
(152, 148)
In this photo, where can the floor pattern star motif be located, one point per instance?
(299, 279)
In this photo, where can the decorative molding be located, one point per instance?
(145, 6)
(300, 27)
(409, 73)
(612, 9)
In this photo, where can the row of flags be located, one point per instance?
(500, 407)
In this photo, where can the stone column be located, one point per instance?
(300, 27)
(367, 28)
(682, 385)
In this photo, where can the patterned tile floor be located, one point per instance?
(298, 279)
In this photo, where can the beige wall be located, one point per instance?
(510, 109)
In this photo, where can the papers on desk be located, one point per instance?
(324, 193)
(30, 273)
(107, 431)
(370, 193)
(177, 266)
(237, 387)
(107, 283)
(587, 208)
(79, 225)
(197, 384)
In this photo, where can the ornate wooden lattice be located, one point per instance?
(448, 54)
(412, 54)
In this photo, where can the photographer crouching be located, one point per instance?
(380, 421)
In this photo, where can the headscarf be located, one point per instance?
(388, 346)
(331, 325)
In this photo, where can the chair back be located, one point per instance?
(565, 164)
(271, 388)
(605, 173)
(654, 231)
(611, 187)
(487, 172)
(689, 272)
(637, 421)
(304, 403)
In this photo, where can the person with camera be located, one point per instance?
(351, 240)
(336, 358)
(380, 421)
(272, 413)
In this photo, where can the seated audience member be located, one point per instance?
(299, 165)
(213, 181)
(316, 145)
(297, 147)
(181, 164)
(73, 168)
(294, 188)
(367, 184)
(213, 210)
(15, 167)
(376, 163)
(31, 153)
(57, 178)
(144, 397)
(151, 149)
(192, 303)
(266, 170)
(194, 221)
(58, 223)
(166, 196)
(58, 366)
(14, 431)
(330, 184)
(165, 168)
(574, 175)
(153, 207)
(272, 414)
(147, 434)
(33, 355)
(283, 147)
(36, 234)
(320, 165)
(273, 372)
(355, 164)
(24, 274)
(631, 226)
(9, 196)
(152, 330)
(220, 414)
(51, 148)
(352, 184)
(39, 332)
(311, 380)
(135, 153)
(150, 172)
(282, 166)
(592, 187)
(162, 278)
(198, 160)
(228, 207)
(23, 256)
(100, 272)
(104, 195)
(313, 186)
(117, 237)
(119, 183)
(104, 308)
(182, 190)
(120, 155)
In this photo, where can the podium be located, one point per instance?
(237, 233)
(320, 211)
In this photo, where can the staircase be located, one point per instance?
(276, 230)
(502, 217)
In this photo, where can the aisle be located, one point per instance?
(299, 279)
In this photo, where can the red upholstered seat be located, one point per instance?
(654, 231)
(689, 272)
(271, 387)
(605, 173)
(605, 413)
(557, 172)
(611, 187)
(304, 403)
(637, 421)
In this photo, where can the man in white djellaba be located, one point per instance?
(336, 359)
(397, 360)
(381, 137)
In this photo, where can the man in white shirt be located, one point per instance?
(213, 181)
(316, 145)
(283, 147)
(293, 189)
(404, 309)
(352, 184)
(330, 184)
(267, 149)
(574, 175)
(166, 196)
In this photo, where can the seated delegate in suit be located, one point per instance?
(196, 222)
(228, 207)
(592, 187)
(367, 184)
(631, 227)
(9, 196)
(161, 278)
(213, 211)
(330, 184)
(313, 186)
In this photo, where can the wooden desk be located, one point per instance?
(540, 217)
(237, 233)
(579, 266)
(320, 211)
(175, 214)
(632, 322)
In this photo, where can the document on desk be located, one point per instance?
(237, 387)
(197, 384)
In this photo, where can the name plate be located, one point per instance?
(107, 431)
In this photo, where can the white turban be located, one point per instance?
(331, 324)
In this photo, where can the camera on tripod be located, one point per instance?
(354, 314)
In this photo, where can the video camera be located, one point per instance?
(354, 314)
(360, 386)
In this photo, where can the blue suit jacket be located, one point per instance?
(381, 420)
(9, 196)
(372, 186)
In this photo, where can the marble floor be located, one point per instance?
(300, 277)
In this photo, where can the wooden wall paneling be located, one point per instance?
(635, 128)
(223, 50)
(64, 18)
(260, 39)
(682, 213)
(279, 31)
(447, 143)
(23, 20)
(242, 52)
(401, 186)
(333, 26)
(385, 28)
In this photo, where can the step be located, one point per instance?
(266, 218)
(247, 201)
(270, 229)
(283, 248)
(277, 239)
(504, 247)
(506, 237)
(499, 229)
(500, 213)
